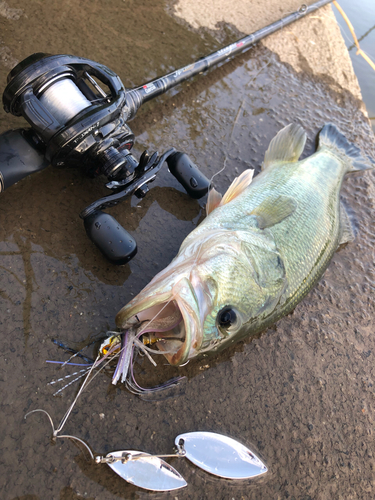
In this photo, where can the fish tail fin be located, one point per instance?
(331, 138)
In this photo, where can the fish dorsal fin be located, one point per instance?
(273, 210)
(213, 200)
(286, 146)
(238, 186)
(346, 229)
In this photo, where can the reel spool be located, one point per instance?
(78, 122)
(78, 110)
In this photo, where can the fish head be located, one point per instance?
(210, 295)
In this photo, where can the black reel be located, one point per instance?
(78, 111)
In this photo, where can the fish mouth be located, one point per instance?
(168, 322)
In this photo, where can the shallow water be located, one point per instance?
(301, 396)
(362, 17)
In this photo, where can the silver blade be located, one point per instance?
(221, 455)
(148, 472)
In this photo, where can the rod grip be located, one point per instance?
(19, 157)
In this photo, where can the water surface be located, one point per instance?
(362, 16)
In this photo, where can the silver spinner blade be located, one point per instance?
(146, 471)
(220, 455)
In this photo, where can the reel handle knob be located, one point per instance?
(188, 174)
(110, 237)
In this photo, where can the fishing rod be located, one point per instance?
(78, 110)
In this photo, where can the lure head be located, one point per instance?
(111, 345)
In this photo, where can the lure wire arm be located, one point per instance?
(55, 432)
(110, 459)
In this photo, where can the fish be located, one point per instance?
(262, 247)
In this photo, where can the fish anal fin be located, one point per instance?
(273, 210)
(286, 146)
(213, 200)
(238, 186)
(347, 234)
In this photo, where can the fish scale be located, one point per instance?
(309, 237)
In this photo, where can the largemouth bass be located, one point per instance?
(261, 249)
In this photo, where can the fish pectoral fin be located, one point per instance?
(238, 186)
(286, 146)
(273, 210)
(213, 200)
(347, 234)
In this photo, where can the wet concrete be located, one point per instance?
(302, 395)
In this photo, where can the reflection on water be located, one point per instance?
(301, 395)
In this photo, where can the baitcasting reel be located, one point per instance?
(78, 111)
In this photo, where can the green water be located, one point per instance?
(362, 17)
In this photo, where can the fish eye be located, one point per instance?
(228, 321)
(226, 317)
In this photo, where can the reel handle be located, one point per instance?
(107, 234)
(188, 175)
(110, 237)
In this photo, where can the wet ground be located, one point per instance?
(302, 395)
